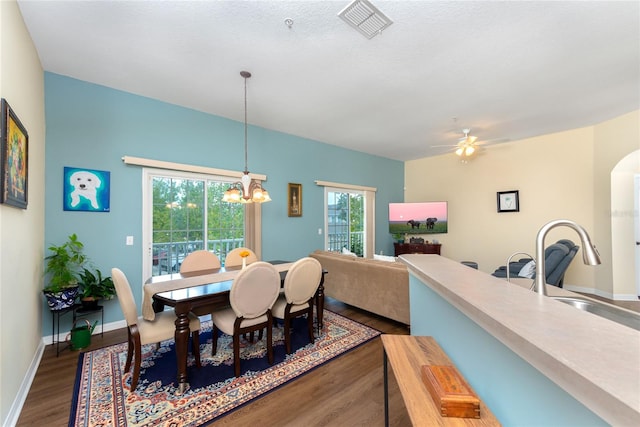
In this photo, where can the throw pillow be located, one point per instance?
(528, 270)
(348, 252)
(387, 258)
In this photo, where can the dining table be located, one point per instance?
(202, 291)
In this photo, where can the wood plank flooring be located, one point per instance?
(346, 391)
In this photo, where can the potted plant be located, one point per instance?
(94, 287)
(62, 268)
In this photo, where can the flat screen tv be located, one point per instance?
(418, 218)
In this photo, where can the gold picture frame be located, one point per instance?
(294, 199)
(14, 152)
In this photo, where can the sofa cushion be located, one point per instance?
(387, 258)
(528, 270)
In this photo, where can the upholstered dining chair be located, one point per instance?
(199, 260)
(141, 332)
(300, 286)
(252, 294)
(234, 259)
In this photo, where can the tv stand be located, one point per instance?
(416, 248)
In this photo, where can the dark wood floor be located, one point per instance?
(346, 391)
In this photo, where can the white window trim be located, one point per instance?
(370, 211)
(253, 228)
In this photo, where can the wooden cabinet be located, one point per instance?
(416, 248)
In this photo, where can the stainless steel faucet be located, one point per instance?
(590, 254)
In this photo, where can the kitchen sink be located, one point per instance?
(608, 311)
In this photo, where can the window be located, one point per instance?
(349, 218)
(345, 221)
(184, 212)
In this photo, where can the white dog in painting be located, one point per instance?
(85, 185)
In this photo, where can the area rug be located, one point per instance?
(102, 395)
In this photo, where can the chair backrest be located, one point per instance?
(555, 275)
(302, 280)
(234, 259)
(254, 290)
(199, 260)
(125, 296)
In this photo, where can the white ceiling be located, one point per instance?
(508, 70)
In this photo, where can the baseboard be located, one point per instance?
(112, 326)
(597, 292)
(23, 392)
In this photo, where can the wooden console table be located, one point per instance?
(406, 354)
(416, 248)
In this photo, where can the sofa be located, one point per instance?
(557, 256)
(381, 287)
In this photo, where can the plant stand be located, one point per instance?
(78, 312)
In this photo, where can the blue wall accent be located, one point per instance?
(516, 392)
(92, 126)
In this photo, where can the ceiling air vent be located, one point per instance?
(365, 17)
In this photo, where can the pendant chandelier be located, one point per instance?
(246, 190)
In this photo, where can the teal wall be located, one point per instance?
(516, 392)
(91, 126)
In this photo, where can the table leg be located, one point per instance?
(386, 388)
(182, 344)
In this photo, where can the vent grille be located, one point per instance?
(365, 17)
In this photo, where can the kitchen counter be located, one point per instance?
(592, 359)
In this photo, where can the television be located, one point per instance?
(418, 218)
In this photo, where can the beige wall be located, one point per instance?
(21, 231)
(561, 175)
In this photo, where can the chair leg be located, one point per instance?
(287, 333)
(136, 365)
(269, 342)
(195, 344)
(130, 349)
(236, 354)
(214, 340)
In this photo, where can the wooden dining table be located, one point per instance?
(201, 292)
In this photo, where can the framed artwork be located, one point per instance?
(508, 201)
(15, 159)
(294, 199)
(86, 190)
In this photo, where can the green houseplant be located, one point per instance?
(62, 269)
(94, 287)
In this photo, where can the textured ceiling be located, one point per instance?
(507, 70)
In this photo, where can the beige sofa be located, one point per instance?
(380, 287)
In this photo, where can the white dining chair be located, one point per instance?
(141, 331)
(300, 286)
(234, 259)
(252, 294)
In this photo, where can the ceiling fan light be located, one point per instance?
(469, 150)
(459, 151)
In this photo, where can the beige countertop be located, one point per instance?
(595, 360)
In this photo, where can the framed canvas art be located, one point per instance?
(14, 159)
(86, 190)
(294, 199)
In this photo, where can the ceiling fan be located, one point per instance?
(467, 147)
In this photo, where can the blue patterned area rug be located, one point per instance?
(102, 395)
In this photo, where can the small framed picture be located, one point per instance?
(294, 199)
(14, 159)
(508, 201)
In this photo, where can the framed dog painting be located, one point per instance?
(86, 190)
(14, 159)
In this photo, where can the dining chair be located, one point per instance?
(234, 259)
(252, 294)
(141, 332)
(300, 286)
(199, 260)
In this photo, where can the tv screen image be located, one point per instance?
(418, 218)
